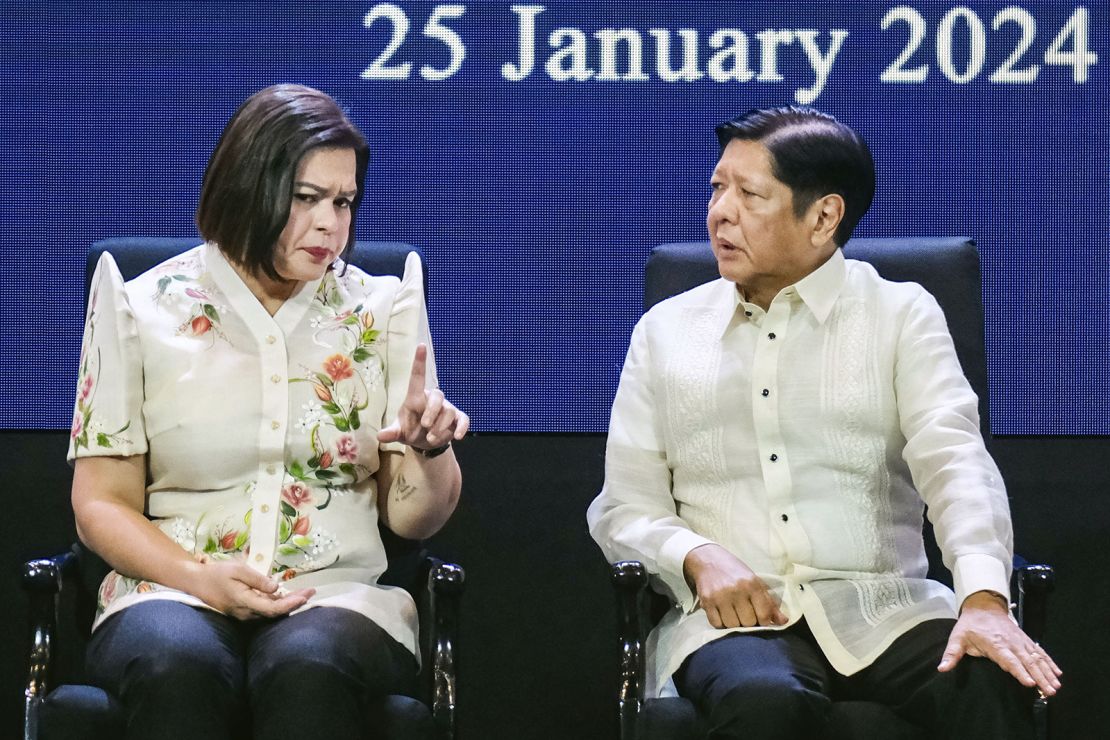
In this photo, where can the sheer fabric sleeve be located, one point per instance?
(947, 458)
(107, 417)
(635, 516)
(408, 327)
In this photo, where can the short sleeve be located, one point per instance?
(408, 327)
(107, 417)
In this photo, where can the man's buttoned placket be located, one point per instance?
(789, 544)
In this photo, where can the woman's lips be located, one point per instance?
(318, 253)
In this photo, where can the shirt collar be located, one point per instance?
(288, 315)
(820, 288)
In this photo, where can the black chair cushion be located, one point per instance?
(80, 713)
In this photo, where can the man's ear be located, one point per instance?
(827, 213)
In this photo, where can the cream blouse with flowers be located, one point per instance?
(260, 431)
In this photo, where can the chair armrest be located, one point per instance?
(629, 581)
(445, 587)
(1035, 583)
(42, 580)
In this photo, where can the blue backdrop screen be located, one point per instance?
(536, 152)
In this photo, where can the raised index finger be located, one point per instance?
(419, 369)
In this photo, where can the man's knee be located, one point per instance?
(769, 707)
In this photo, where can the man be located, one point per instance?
(772, 442)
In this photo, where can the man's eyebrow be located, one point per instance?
(321, 190)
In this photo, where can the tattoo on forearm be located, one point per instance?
(403, 489)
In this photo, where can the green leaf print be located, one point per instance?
(287, 509)
(211, 546)
(361, 354)
(341, 424)
(102, 440)
(330, 408)
(355, 424)
(240, 540)
(210, 312)
(296, 470)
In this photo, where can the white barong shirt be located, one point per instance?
(804, 439)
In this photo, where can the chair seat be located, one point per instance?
(72, 712)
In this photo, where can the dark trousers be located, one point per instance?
(772, 685)
(183, 672)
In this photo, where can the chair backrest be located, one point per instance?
(947, 267)
(136, 254)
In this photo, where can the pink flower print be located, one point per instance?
(78, 426)
(108, 588)
(326, 460)
(227, 542)
(367, 320)
(338, 367)
(85, 388)
(200, 325)
(347, 448)
(200, 295)
(301, 526)
(321, 392)
(296, 494)
(288, 574)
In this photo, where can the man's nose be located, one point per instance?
(724, 208)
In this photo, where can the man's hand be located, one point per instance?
(729, 592)
(235, 589)
(985, 629)
(426, 419)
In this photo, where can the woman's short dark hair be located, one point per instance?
(248, 184)
(814, 155)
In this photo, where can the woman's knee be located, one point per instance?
(151, 645)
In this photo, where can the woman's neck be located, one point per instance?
(270, 293)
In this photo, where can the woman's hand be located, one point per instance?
(235, 589)
(426, 419)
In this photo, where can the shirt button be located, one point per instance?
(766, 392)
(275, 424)
(747, 313)
(771, 335)
(258, 558)
(271, 339)
(265, 508)
(774, 457)
(270, 470)
(785, 518)
(275, 378)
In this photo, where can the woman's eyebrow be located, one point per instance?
(323, 190)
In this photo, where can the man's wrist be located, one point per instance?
(985, 600)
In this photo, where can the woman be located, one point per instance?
(246, 412)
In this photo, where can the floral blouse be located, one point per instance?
(260, 431)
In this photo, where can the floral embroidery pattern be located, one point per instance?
(203, 316)
(340, 384)
(89, 376)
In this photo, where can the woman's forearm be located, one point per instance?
(422, 492)
(108, 496)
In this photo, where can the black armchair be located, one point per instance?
(67, 583)
(949, 269)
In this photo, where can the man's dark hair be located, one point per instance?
(248, 184)
(814, 155)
